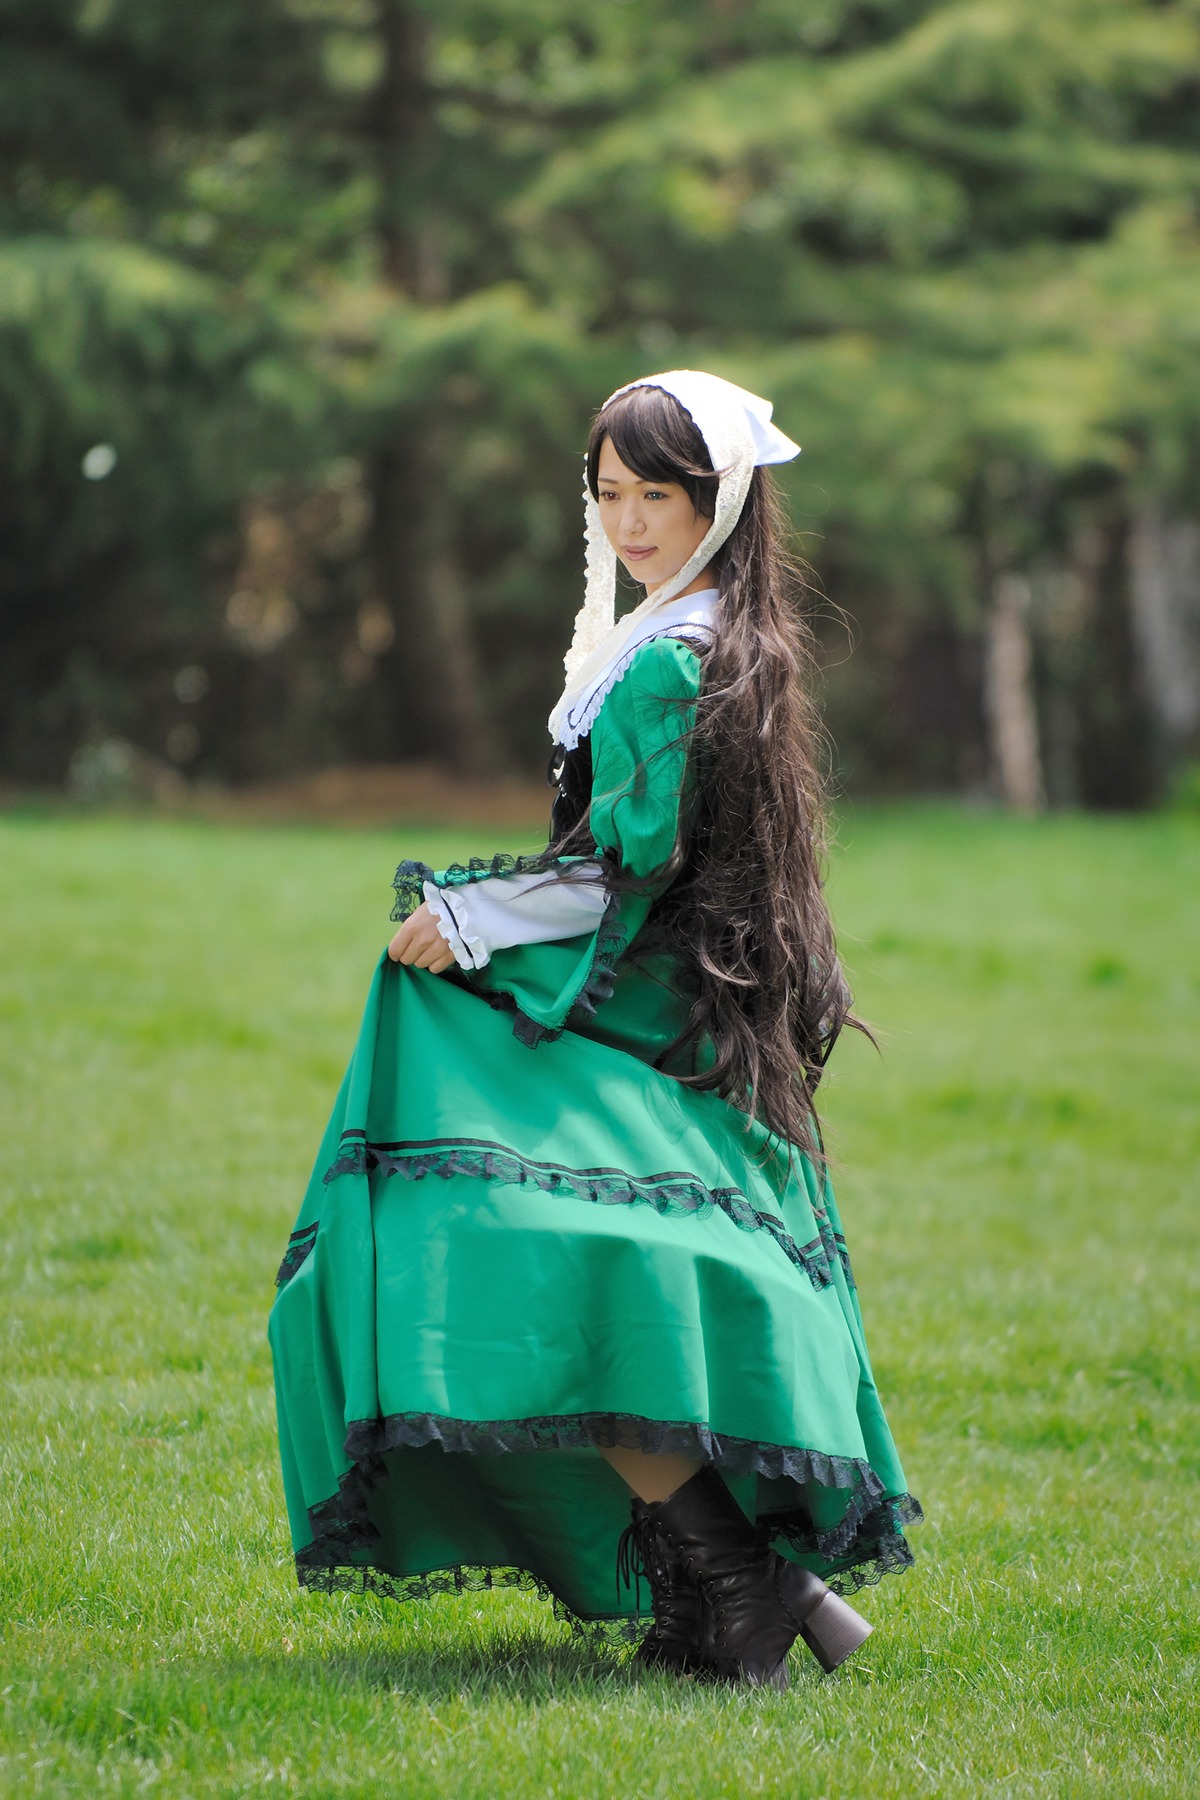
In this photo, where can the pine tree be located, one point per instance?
(342, 280)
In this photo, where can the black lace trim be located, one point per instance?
(470, 1578)
(835, 1245)
(410, 877)
(866, 1545)
(368, 1440)
(342, 1529)
(598, 985)
(672, 1194)
(607, 951)
(611, 944)
(299, 1247)
(877, 1548)
(474, 1578)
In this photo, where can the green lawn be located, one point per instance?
(1019, 1178)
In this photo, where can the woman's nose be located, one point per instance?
(633, 524)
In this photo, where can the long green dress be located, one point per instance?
(522, 1240)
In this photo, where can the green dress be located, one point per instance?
(522, 1239)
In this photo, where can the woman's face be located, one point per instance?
(652, 525)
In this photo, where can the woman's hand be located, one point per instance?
(420, 945)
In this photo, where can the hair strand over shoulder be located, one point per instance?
(745, 906)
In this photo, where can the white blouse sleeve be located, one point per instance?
(503, 910)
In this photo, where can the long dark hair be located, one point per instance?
(746, 905)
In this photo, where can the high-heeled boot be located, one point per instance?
(754, 1603)
(675, 1640)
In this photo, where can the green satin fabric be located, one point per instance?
(639, 781)
(530, 1245)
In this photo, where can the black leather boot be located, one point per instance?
(675, 1640)
(755, 1605)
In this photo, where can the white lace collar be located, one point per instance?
(690, 614)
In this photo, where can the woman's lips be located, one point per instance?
(637, 555)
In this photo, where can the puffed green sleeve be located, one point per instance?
(640, 776)
(640, 756)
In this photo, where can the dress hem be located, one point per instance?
(616, 1629)
(866, 1544)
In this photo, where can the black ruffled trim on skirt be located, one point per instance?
(299, 1247)
(865, 1545)
(672, 1193)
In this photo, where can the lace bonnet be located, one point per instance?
(739, 436)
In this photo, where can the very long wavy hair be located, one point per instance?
(746, 905)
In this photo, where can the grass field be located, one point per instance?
(1019, 1175)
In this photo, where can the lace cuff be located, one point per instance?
(505, 910)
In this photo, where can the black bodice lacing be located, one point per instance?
(570, 771)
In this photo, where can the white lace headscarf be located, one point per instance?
(738, 433)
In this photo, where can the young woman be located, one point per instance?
(569, 1288)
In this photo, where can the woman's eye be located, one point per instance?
(655, 494)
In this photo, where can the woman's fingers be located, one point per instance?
(417, 934)
(420, 945)
(398, 948)
(435, 960)
(428, 947)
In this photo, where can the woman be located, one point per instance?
(569, 1260)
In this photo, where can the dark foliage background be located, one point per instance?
(304, 307)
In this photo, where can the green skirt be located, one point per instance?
(508, 1256)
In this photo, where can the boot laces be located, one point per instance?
(638, 1556)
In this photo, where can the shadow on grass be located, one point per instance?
(519, 1668)
(514, 1666)
(249, 1697)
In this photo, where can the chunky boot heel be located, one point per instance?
(753, 1604)
(833, 1631)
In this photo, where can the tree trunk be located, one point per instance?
(432, 671)
(434, 691)
(1008, 696)
(1164, 593)
(1118, 764)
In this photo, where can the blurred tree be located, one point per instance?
(340, 279)
(143, 388)
(955, 242)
